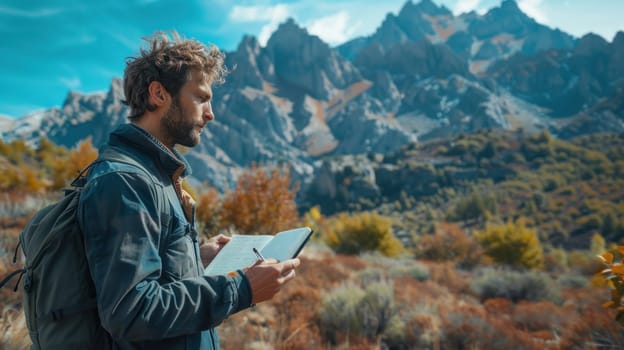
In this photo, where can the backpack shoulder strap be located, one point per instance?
(116, 155)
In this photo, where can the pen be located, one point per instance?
(260, 257)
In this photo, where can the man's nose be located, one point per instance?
(208, 115)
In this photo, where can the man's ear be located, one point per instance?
(158, 95)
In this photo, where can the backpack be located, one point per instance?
(59, 295)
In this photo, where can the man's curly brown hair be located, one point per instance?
(168, 60)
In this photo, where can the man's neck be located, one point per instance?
(151, 125)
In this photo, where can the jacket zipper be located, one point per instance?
(193, 234)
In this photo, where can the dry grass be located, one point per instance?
(437, 312)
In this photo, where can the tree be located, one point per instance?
(208, 212)
(78, 159)
(31, 181)
(263, 202)
(48, 154)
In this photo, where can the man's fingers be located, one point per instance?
(223, 239)
(287, 277)
(289, 265)
(261, 262)
(267, 277)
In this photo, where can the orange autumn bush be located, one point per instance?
(449, 242)
(614, 276)
(263, 202)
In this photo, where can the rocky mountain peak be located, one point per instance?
(415, 58)
(288, 31)
(390, 32)
(115, 93)
(244, 66)
(510, 6)
(508, 18)
(428, 7)
(618, 40)
(590, 44)
(305, 61)
(249, 44)
(71, 98)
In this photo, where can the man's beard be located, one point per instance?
(178, 129)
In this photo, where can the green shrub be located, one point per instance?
(414, 270)
(339, 312)
(367, 311)
(392, 268)
(573, 280)
(371, 275)
(514, 285)
(474, 206)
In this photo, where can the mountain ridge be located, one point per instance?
(424, 74)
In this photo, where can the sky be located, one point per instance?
(51, 47)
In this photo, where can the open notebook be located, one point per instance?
(238, 252)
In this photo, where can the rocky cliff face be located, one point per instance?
(567, 82)
(424, 74)
(478, 40)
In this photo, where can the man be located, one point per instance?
(141, 243)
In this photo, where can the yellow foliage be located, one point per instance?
(16, 151)
(31, 182)
(314, 220)
(512, 244)
(9, 177)
(353, 234)
(64, 172)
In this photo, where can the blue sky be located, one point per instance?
(51, 47)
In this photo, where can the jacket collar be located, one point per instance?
(130, 135)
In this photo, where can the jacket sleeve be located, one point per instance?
(122, 230)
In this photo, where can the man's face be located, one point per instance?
(189, 112)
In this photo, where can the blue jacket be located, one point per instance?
(143, 252)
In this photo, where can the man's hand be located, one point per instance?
(209, 249)
(267, 277)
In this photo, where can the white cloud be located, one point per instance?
(533, 8)
(273, 14)
(463, 6)
(71, 83)
(128, 41)
(334, 29)
(258, 13)
(36, 13)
